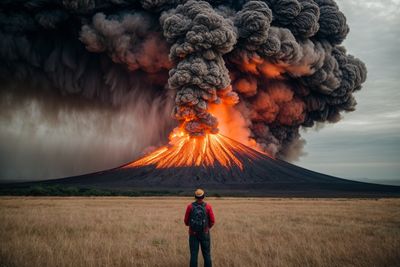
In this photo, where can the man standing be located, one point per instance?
(200, 218)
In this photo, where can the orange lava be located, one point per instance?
(184, 150)
(211, 149)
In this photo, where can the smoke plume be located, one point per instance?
(278, 64)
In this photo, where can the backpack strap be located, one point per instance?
(204, 204)
(194, 205)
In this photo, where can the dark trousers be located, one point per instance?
(205, 242)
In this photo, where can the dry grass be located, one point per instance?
(149, 232)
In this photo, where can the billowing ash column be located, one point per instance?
(200, 37)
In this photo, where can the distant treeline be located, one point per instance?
(58, 190)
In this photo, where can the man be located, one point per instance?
(200, 218)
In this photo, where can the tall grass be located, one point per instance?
(118, 231)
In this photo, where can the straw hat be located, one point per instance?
(199, 193)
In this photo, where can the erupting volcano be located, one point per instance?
(240, 77)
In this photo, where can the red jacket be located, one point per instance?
(210, 214)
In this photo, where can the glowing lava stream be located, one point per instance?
(184, 150)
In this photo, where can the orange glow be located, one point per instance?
(232, 124)
(259, 66)
(250, 64)
(271, 70)
(247, 87)
(211, 149)
(184, 150)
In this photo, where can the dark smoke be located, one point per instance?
(280, 59)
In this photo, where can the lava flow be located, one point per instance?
(209, 150)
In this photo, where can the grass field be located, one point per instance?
(118, 231)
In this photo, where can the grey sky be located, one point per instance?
(365, 145)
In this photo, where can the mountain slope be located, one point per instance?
(227, 167)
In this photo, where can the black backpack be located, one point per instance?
(198, 217)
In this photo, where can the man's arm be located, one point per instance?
(187, 214)
(211, 217)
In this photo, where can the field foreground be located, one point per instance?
(121, 231)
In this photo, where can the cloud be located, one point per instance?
(385, 9)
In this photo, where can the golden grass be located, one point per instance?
(105, 231)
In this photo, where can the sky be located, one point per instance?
(365, 144)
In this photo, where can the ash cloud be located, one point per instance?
(282, 60)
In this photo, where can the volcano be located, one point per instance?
(221, 165)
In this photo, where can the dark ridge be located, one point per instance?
(260, 176)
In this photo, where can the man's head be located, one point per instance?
(199, 194)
